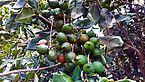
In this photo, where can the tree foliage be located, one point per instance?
(118, 26)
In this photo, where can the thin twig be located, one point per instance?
(140, 57)
(63, 17)
(142, 48)
(88, 57)
(51, 33)
(128, 39)
(48, 22)
(28, 70)
(73, 47)
(107, 31)
(44, 19)
(99, 4)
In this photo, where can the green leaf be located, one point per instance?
(112, 41)
(76, 74)
(16, 52)
(19, 4)
(106, 20)
(108, 59)
(33, 4)
(119, 18)
(30, 75)
(61, 78)
(30, 31)
(78, 10)
(84, 23)
(125, 80)
(4, 63)
(36, 64)
(94, 13)
(25, 16)
(101, 58)
(16, 78)
(103, 79)
(106, 3)
(11, 24)
(4, 2)
(32, 45)
(36, 79)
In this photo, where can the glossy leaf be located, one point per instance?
(11, 24)
(30, 75)
(84, 23)
(94, 13)
(106, 3)
(76, 74)
(78, 10)
(119, 18)
(25, 16)
(106, 20)
(4, 2)
(33, 4)
(4, 63)
(19, 4)
(112, 41)
(108, 59)
(36, 79)
(36, 64)
(16, 78)
(61, 78)
(16, 52)
(32, 45)
(125, 80)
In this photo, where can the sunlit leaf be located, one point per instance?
(16, 52)
(33, 4)
(4, 2)
(84, 23)
(4, 63)
(106, 3)
(119, 18)
(106, 20)
(32, 45)
(125, 80)
(25, 16)
(30, 75)
(19, 4)
(11, 24)
(61, 78)
(78, 10)
(112, 41)
(16, 78)
(36, 79)
(94, 13)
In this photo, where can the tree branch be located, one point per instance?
(51, 32)
(48, 22)
(28, 70)
(88, 59)
(142, 48)
(128, 39)
(99, 4)
(140, 57)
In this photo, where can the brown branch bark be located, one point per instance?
(88, 59)
(128, 39)
(142, 48)
(49, 22)
(51, 32)
(99, 4)
(140, 57)
(28, 70)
